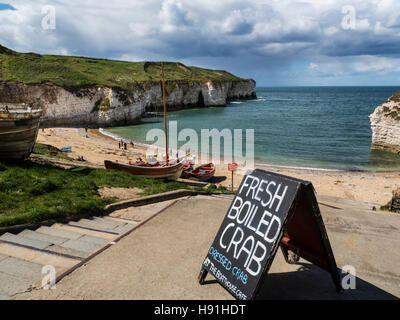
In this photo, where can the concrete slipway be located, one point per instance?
(162, 258)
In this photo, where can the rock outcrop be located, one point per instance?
(385, 124)
(101, 106)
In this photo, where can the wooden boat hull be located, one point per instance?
(18, 133)
(171, 172)
(198, 174)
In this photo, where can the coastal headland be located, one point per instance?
(385, 124)
(80, 91)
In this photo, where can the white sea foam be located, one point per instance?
(119, 138)
(145, 145)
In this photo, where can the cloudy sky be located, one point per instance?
(276, 42)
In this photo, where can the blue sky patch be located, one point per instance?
(6, 6)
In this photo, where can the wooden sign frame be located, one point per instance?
(302, 233)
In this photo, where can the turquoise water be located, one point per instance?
(319, 127)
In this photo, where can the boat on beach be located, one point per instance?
(168, 169)
(202, 173)
(19, 126)
(171, 171)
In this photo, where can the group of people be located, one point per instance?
(123, 145)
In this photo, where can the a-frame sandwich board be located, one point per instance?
(269, 211)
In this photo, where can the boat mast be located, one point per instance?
(165, 112)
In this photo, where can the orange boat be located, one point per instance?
(203, 172)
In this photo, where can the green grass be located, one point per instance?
(395, 97)
(49, 151)
(74, 73)
(32, 192)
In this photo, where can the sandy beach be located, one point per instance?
(94, 147)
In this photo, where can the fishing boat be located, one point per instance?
(164, 169)
(19, 126)
(187, 168)
(171, 172)
(202, 173)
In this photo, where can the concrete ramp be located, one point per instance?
(162, 258)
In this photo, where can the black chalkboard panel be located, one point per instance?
(253, 229)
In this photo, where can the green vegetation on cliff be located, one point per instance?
(75, 72)
(393, 112)
(395, 97)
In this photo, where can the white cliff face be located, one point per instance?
(103, 106)
(385, 124)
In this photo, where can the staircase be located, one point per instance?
(23, 256)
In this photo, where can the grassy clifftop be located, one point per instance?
(395, 97)
(69, 71)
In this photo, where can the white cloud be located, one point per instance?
(258, 32)
(365, 64)
(173, 15)
(237, 24)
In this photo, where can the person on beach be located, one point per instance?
(119, 144)
(125, 146)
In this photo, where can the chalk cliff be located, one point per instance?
(81, 91)
(385, 124)
(100, 106)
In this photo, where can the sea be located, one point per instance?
(324, 128)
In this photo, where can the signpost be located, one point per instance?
(232, 167)
(269, 211)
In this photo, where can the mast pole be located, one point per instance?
(165, 112)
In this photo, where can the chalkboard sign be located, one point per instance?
(268, 211)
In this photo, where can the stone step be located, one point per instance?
(53, 231)
(123, 229)
(11, 285)
(19, 252)
(35, 256)
(111, 223)
(2, 256)
(121, 220)
(42, 236)
(12, 238)
(91, 226)
(55, 260)
(68, 251)
(94, 240)
(80, 245)
(98, 225)
(21, 268)
(82, 231)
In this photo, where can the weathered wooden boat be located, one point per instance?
(19, 126)
(171, 171)
(202, 173)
